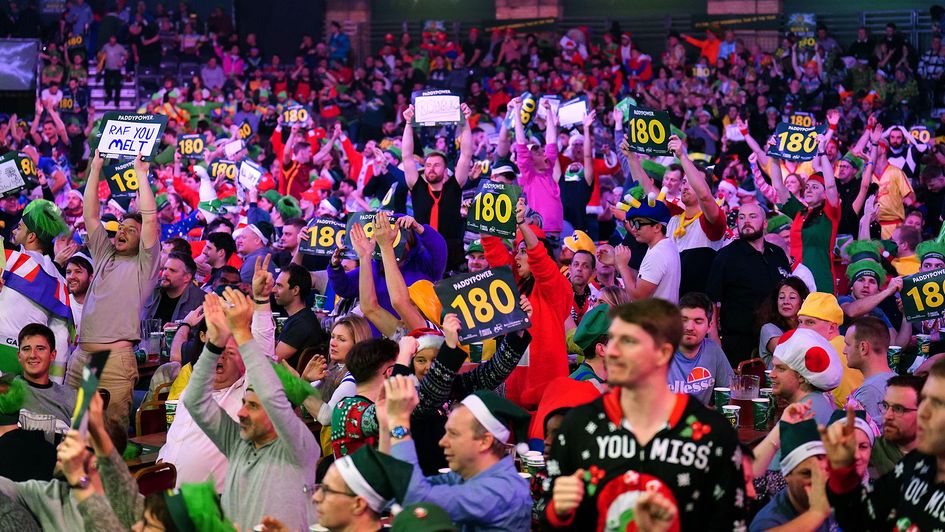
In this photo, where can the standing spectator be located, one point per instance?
(291, 291)
(114, 56)
(659, 272)
(212, 74)
(339, 45)
(126, 272)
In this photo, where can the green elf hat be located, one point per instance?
(866, 268)
(296, 389)
(395, 151)
(422, 517)
(799, 441)
(853, 160)
(778, 223)
(11, 401)
(272, 195)
(45, 219)
(217, 206)
(474, 247)
(673, 130)
(504, 166)
(376, 476)
(288, 207)
(506, 421)
(653, 169)
(864, 249)
(161, 201)
(594, 324)
(195, 507)
(889, 248)
(931, 249)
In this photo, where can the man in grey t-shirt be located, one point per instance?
(36, 350)
(125, 275)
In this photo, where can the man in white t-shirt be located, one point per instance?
(660, 271)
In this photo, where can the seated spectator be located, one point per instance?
(353, 421)
(900, 406)
(699, 365)
(36, 347)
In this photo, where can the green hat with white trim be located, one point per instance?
(505, 420)
(799, 441)
(375, 476)
(867, 268)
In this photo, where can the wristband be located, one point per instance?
(261, 301)
(744, 132)
(183, 323)
(832, 127)
(216, 350)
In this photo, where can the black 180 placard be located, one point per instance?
(366, 219)
(325, 235)
(486, 303)
(648, 130)
(795, 143)
(923, 295)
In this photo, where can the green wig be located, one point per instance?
(45, 219)
(196, 507)
(11, 401)
(288, 207)
(296, 389)
(866, 268)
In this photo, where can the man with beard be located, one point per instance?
(127, 271)
(78, 278)
(899, 407)
(743, 274)
(904, 152)
(699, 363)
(176, 294)
(32, 289)
(301, 330)
(437, 197)
(895, 190)
(910, 496)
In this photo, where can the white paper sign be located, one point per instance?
(435, 107)
(10, 178)
(555, 102)
(733, 133)
(127, 134)
(250, 173)
(232, 148)
(572, 112)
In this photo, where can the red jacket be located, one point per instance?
(551, 301)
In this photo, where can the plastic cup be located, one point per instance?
(317, 528)
(922, 342)
(475, 352)
(170, 410)
(894, 356)
(320, 301)
(731, 414)
(526, 476)
(759, 410)
(767, 382)
(722, 395)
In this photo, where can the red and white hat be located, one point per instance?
(812, 356)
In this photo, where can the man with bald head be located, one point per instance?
(743, 274)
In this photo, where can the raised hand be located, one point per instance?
(262, 278)
(839, 441)
(467, 112)
(217, 329)
(362, 245)
(589, 119)
(408, 114)
(71, 454)
(617, 115)
(526, 306)
(451, 328)
(833, 117)
(316, 369)
(95, 165)
(401, 398)
(239, 311)
(520, 210)
(408, 223)
(383, 232)
(141, 168)
(675, 146)
(797, 412)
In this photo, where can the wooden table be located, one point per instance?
(750, 436)
(154, 441)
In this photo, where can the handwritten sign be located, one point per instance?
(232, 148)
(11, 180)
(648, 131)
(436, 107)
(572, 112)
(486, 303)
(250, 174)
(325, 235)
(126, 134)
(554, 100)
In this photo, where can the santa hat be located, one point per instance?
(375, 476)
(505, 420)
(812, 356)
(427, 338)
(799, 441)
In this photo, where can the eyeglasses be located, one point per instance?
(637, 223)
(897, 409)
(326, 491)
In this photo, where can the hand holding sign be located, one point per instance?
(127, 135)
(492, 212)
(436, 107)
(362, 245)
(322, 237)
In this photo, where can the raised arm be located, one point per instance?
(515, 105)
(697, 181)
(396, 285)
(411, 175)
(826, 167)
(150, 226)
(637, 173)
(91, 209)
(589, 147)
(367, 295)
(777, 181)
(551, 125)
(465, 148)
(504, 146)
(528, 236)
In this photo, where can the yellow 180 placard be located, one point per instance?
(325, 235)
(122, 179)
(795, 143)
(191, 146)
(923, 295)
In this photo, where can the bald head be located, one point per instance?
(751, 222)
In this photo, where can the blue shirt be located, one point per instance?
(821, 405)
(779, 511)
(495, 499)
(699, 375)
(871, 393)
(876, 312)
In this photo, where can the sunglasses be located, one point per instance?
(637, 223)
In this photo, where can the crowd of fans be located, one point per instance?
(335, 389)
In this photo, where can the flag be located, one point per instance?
(24, 274)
